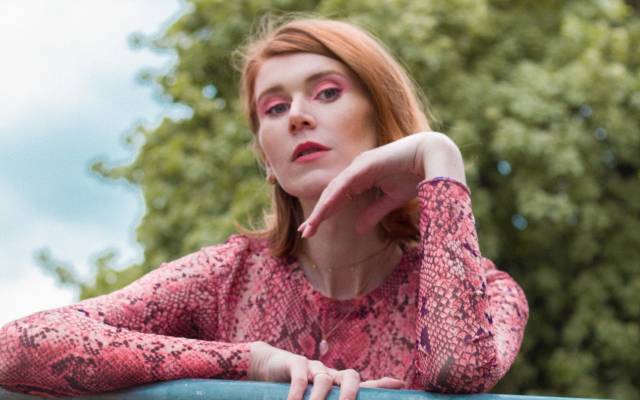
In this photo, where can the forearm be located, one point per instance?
(455, 349)
(469, 331)
(60, 352)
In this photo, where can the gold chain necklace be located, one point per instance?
(351, 265)
(323, 346)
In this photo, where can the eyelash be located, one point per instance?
(338, 92)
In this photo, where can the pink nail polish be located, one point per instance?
(306, 231)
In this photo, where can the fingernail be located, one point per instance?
(306, 232)
(300, 227)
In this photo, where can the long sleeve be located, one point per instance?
(471, 317)
(143, 333)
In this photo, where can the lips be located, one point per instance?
(306, 148)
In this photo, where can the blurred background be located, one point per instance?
(123, 146)
(71, 90)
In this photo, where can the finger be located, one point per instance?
(353, 180)
(316, 366)
(299, 372)
(322, 378)
(331, 200)
(302, 225)
(322, 384)
(323, 208)
(384, 383)
(349, 381)
(372, 383)
(392, 383)
(375, 213)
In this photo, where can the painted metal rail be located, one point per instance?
(190, 389)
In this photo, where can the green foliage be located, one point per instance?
(543, 99)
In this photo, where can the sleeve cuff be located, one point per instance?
(444, 178)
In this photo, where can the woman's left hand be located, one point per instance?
(396, 169)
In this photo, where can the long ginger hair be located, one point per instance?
(399, 109)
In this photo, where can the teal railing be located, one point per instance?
(190, 389)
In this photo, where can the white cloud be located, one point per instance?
(31, 293)
(55, 58)
(54, 53)
(24, 288)
(28, 229)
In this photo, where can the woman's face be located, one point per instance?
(308, 97)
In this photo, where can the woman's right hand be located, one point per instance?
(271, 364)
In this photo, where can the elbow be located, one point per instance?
(22, 357)
(461, 373)
(11, 361)
(466, 378)
(9, 340)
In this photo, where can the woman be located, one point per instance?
(353, 282)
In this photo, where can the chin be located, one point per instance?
(305, 193)
(306, 189)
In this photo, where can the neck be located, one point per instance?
(345, 267)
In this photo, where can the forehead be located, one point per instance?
(293, 69)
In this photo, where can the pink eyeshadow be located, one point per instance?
(325, 83)
(266, 103)
(331, 80)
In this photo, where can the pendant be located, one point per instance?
(323, 347)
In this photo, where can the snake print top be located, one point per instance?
(444, 320)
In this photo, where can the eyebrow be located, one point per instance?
(310, 78)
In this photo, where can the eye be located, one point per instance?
(329, 93)
(277, 109)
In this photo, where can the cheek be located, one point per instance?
(268, 143)
(357, 122)
(261, 142)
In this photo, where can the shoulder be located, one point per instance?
(239, 265)
(216, 259)
(235, 255)
(236, 248)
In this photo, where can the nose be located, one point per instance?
(299, 117)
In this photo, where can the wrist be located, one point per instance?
(255, 359)
(438, 156)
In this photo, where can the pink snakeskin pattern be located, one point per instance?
(445, 320)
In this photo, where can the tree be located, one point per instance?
(543, 99)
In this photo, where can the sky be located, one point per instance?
(69, 96)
